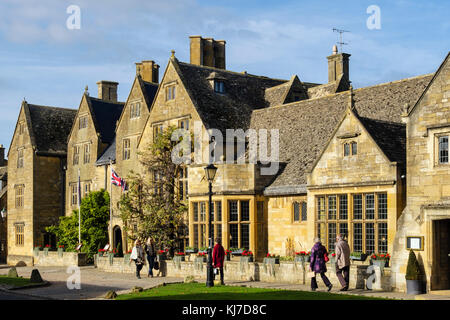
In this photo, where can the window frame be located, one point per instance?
(126, 149)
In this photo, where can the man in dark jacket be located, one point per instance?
(218, 258)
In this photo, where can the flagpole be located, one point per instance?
(79, 207)
(110, 205)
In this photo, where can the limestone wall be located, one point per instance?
(54, 258)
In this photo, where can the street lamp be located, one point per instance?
(210, 173)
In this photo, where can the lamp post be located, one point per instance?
(210, 173)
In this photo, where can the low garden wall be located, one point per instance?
(59, 258)
(242, 270)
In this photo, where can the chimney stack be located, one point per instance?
(207, 52)
(148, 70)
(2, 156)
(338, 65)
(107, 90)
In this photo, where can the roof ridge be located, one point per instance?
(52, 107)
(229, 71)
(112, 102)
(395, 81)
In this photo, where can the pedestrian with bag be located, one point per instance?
(218, 259)
(150, 251)
(342, 262)
(317, 264)
(137, 255)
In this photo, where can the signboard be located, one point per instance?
(414, 243)
(79, 247)
(106, 248)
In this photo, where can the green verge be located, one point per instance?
(15, 282)
(198, 291)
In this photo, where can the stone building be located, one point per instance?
(3, 205)
(36, 163)
(426, 217)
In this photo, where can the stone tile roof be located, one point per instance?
(283, 93)
(149, 89)
(306, 126)
(105, 115)
(231, 110)
(389, 136)
(50, 128)
(108, 155)
(3, 172)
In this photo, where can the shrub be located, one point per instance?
(413, 271)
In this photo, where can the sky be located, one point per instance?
(47, 63)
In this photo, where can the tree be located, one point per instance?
(152, 205)
(94, 224)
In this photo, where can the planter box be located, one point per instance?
(382, 263)
(272, 260)
(237, 252)
(60, 252)
(414, 287)
(228, 257)
(161, 257)
(246, 259)
(202, 259)
(180, 258)
(190, 251)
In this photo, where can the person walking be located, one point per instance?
(317, 264)
(137, 255)
(150, 251)
(218, 258)
(342, 262)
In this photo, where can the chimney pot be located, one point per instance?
(148, 70)
(107, 90)
(207, 52)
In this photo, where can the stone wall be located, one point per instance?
(54, 258)
(235, 270)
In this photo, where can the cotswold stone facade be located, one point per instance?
(370, 163)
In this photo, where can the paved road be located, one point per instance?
(14, 296)
(94, 283)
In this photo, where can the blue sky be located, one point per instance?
(48, 64)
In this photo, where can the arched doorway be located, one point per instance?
(117, 232)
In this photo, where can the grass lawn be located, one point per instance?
(198, 291)
(16, 282)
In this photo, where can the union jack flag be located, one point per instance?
(118, 181)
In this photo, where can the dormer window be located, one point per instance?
(350, 148)
(219, 86)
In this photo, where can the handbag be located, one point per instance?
(216, 271)
(156, 265)
(325, 257)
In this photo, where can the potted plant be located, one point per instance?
(190, 250)
(162, 254)
(37, 248)
(101, 252)
(300, 256)
(228, 255)
(358, 256)
(180, 256)
(332, 257)
(60, 250)
(247, 256)
(308, 256)
(276, 258)
(414, 275)
(203, 249)
(201, 256)
(381, 260)
(47, 247)
(237, 251)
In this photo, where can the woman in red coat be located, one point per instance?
(218, 258)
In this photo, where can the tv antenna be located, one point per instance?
(340, 42)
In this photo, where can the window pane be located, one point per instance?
(218, 210)
(343, 207)
(354, 148)
(296, 211)
(346, 149)
(370, 206)
(304, 211)
(443, 149)
(233, 210)
(196, 236)
(202, 211)
(343, 229)
(370, 238)
(331, 236)
(245, 235)
(357, 206)
(234, 236)
(332, 207)
(321, 232)
(357, 237)
(218, 233)
(321, 208)
(195, 209)
(245, 211)
(382, 237)
(203, 235)
(382, 206)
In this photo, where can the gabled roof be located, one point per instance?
(50, 127)
(280, 94)
(306, 126)
(105, 114)
(149, 90)
(108, 156)
(389, 136)
(231, 110)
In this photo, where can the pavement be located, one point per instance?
(95, 284)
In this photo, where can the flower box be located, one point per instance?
(60, 252)
(237, 252)
(200, 258)
(246, 259)
(190, 251)
(358, 256)
(228, 255)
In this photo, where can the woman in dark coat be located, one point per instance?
(151, 254)
(318, 265)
